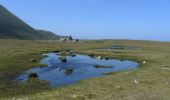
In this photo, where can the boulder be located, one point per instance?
(32, 75)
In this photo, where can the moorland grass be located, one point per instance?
(152, 78)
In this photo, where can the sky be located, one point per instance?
(97, 19)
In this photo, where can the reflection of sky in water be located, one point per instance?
(82, 65)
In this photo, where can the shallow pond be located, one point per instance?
(81, 66)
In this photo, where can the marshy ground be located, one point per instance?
(150, 82)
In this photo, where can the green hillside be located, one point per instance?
(48, 34)
(11, 27)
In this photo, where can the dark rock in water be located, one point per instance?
(32, 75)
(63, 59)
(68, 71)
(73, 55)
(100, 66)
(33, 60)
(56, 51)
(91, 55)
(106, 58)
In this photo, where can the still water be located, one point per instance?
(82, 67)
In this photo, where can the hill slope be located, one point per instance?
(11, 27)
(48, 35)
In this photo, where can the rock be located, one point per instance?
(100, 66)
(71, 51)
(74, 96)
(56, 51)
(73, 55)
(118, 87)
(32, 75)
(68, 50)
(63, 59)
(106, 58)
(144, 62)
(91, 55)
(136, 82)
(68, 71)
(99, 57)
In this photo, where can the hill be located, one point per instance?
(48, 34)
(12, 27)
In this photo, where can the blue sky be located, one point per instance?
(97, 19)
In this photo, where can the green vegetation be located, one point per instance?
(68, 71)
(149, 82)
(11, 27)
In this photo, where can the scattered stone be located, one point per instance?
(91, 55)
(101, 66)
(56, 51)
(68, 71)
(74, 96)
(73, 55)
(144, 62)
(136, 82)
(32, 75)
(106, 58)
(99, 57)
(71, 51)
(118, 87)
(63, 59)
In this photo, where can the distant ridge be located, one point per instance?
(11, 27)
